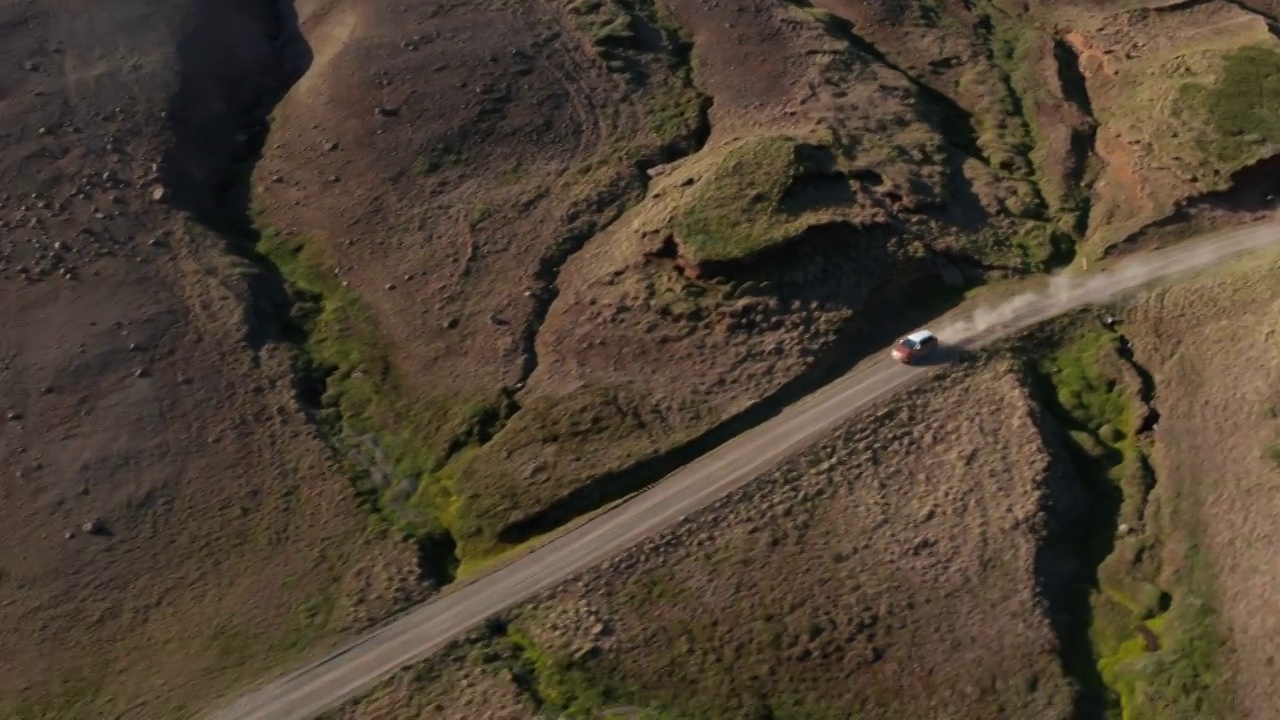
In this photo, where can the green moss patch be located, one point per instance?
(1086, 393)
(1242, 106)
(736, 210)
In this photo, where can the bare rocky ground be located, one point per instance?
(279, 278)
(172, 523)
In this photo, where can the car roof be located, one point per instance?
(919, 336)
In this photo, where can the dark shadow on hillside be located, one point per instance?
(1081, 510)
(1253, 188)
(237, 60)
(818, 183)
(1067, 565)
(1074, 86)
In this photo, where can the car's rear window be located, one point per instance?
(909, 344)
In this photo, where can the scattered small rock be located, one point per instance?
(330, 146)
(387, 111)
(13, 416)
(141, 373)
(134, 347)
(159, 194)
(93, 527)
(451, 323)
(586, 652)
(68, 534)
(391, 286)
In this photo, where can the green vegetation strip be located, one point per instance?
(1155, 649)
(408, 447)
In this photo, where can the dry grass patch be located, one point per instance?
(891, 571)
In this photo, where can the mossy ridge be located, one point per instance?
(738, 209)
(1028, 246)
(735, 211)
(1007, 134)
(1177, 679)
(1241, 105)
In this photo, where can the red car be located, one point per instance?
(915, 346)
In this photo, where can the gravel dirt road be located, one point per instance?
(417, 634)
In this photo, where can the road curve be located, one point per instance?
(417, 634)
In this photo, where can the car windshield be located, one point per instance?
(910, 344)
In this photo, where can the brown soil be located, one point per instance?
(489, 189)
(892, 570)
(172, 525)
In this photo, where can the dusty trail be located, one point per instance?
(1068, 292)
(356, 667)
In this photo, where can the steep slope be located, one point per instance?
(676, 268)
(171, 524)
(488, 410)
